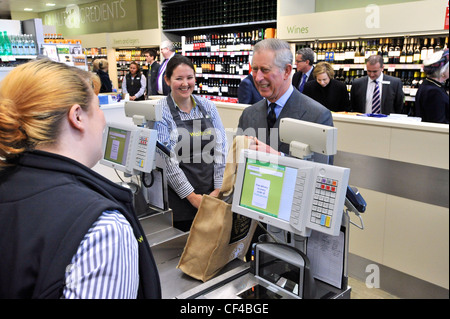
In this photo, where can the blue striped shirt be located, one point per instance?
(105, 265)
(168, 135)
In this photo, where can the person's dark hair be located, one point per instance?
(175, 61)
(151, 52)
(137, 65)
(374, 59)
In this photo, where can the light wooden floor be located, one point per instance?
(361, 291)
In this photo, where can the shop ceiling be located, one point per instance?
(6, 6)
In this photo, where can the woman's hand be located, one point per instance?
(132, 98)
(215, 192)
(194, 199)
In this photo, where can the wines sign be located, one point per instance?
(371, 20)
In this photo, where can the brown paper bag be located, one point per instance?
(218, 235)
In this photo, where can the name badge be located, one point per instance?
(385, 82)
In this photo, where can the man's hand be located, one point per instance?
(259, 146)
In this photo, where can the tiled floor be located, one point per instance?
(361, 291)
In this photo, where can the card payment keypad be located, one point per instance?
(323, 201)
(141, 152)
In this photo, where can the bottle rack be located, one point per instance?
(16, 48)
(222, 60)
(182, 14)
(403, 58)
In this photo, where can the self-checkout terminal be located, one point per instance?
(301, 203)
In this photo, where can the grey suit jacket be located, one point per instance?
(253, 120)
(391, 95)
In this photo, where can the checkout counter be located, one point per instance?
(278, 270)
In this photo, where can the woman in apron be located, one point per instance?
(192, 129)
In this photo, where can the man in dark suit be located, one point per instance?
(304, 61)
(153, 68)
(167, 51)
(247, 92)
(271, 69)
(376, 92)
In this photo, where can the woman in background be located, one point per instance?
(326, 90)
(432, 101)
(100, 66)
(134, 83)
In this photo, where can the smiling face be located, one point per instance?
(271, 81)
(181, 82)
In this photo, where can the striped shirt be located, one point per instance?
(168, 135)
(105, 265)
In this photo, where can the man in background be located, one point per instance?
(376, 93)
(153, 68)
(167, 51)
(304, 61)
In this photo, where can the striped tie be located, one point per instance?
(376, 99)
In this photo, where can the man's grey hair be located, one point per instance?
(167, 44)
(283, 54)
(307, 54)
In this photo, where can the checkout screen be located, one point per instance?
(117, 145)
(268, 188)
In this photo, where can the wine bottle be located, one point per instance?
(430, 48)
(397, 52)
(362, 53)
(424, 51)
(410, 52)
(357, 58)
(438, 45)
(416, 57)
(403, 52)
(386, 51)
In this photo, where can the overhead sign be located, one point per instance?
(372, 20)
(94, 17)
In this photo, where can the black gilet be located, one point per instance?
(47, 204)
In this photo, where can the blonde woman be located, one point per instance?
(326, 90)
(65, 231)
(100, 66)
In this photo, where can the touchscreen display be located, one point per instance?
(117, 144)
(268, 188)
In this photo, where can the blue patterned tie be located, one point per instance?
(271, 117)
(303, 83)
(376, 99)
